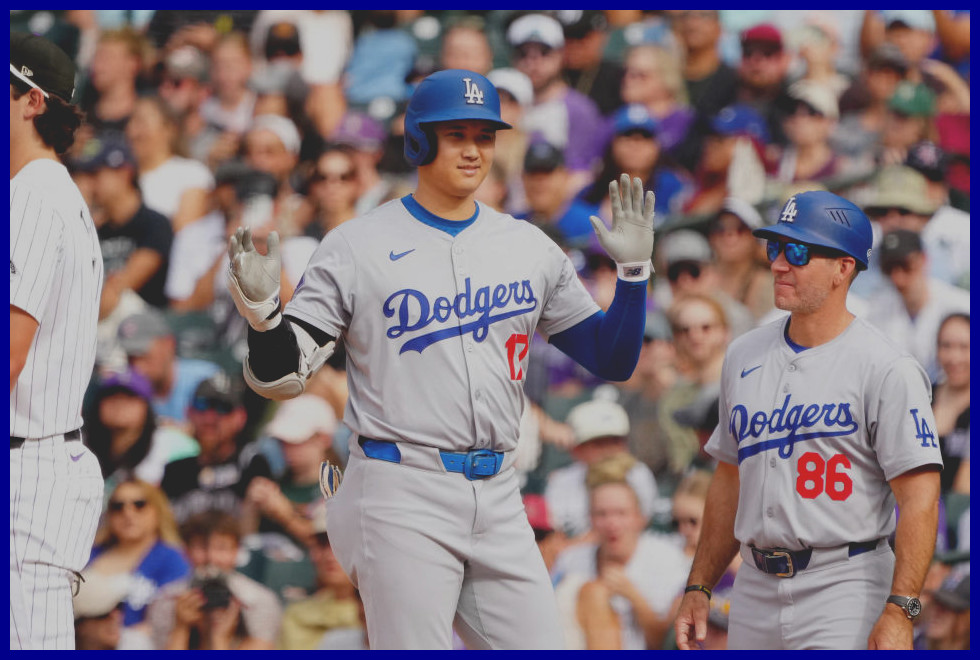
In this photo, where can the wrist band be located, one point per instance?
(634, 272)
(699, 587)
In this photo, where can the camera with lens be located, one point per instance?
(214, 586)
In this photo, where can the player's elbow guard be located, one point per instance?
(311, 357)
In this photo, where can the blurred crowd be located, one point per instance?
(200, 121)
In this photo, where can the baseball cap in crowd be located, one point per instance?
(282, 39)
(740, 119)
(514, 83)
(742, 210)
(38, 63)
(579, 23)
(954, 593)
(897, 246)
(912, 100)
(360, 131)
(634, 117)
(137, 332)
(297, 420)
(130, 381)
(818, 97)
(543, 157)
(186, 62)
(598, 418)
(917, 19)
(928, 159)
(538, 29)
(657, 327)
(898, 186)
(685, 245)
(766, 37)
(888, 56)
(99, 594)
(538, 516)
(110, 150)
(217, 392)
(283, 128)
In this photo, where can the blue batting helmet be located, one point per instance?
(826, 220)
(446, 96)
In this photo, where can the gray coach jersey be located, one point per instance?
(817, 435)
(437, 323)
(56, 277)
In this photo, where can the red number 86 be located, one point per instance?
(818, 476)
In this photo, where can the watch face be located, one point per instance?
(914, 607)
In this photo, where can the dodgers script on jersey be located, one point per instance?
(816, 435)
(450, 324)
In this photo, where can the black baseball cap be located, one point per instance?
(109, 150)
(39, 63)
(897, 245)
(543, 157)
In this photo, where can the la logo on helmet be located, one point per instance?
(789, 211)
(473, 95)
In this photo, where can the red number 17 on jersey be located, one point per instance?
(515, 356)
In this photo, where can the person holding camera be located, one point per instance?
(218, 607)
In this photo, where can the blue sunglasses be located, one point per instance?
(797, 254)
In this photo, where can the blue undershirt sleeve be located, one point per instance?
(608, 343)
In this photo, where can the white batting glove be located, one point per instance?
(630, 241)
(253, 279)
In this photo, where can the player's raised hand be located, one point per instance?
(253, 279)
(630, 240)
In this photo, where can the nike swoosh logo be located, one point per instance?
(75, 458)
(396, 257)
(746, 372)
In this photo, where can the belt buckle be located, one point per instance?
(480, 464)
(791, 569)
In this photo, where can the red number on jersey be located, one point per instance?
(514, 358)
(818, 476)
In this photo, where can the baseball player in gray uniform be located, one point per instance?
(436, 298)
(55, 284)
(824, 426)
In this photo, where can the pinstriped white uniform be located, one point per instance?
(55, 486)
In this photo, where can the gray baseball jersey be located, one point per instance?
(817, 435)
(55, 484)
(437, 328)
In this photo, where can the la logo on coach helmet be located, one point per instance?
(473, 94)
(789, 211)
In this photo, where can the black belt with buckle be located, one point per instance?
(787, 563)
(17, 442)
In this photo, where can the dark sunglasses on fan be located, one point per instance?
(201, 404)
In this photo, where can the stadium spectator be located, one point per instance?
(652, 78)
(711, 84)
(333, 607)
(184, 87)
(230, 107)
(951, 401)
(139, 540)
(98, 613)
(742, 274)
(218, 607)
(465, 46)
(907, 121)
(172, 185)
(762, 75)
(151, 348)
(551, 541)
(218, 477)
(367, 137)
(949, 624)
(561, 115)
(334, 189)
(546, 186)
(585, 68)
(122, 431)
(380, 63)
(912, 308)
(272, 145)
(623, 587)
(687, 509)
(818, 46)
(601, 428)
(116, 66)
(811, 115)
(516, 95)
(135, 240)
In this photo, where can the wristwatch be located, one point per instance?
(911, 605)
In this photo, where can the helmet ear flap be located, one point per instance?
(429, 135)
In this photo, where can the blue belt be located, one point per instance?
(787, 563)
(474, 464)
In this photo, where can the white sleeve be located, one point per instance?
(568, 302)
(324, 294)
(36, 236)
